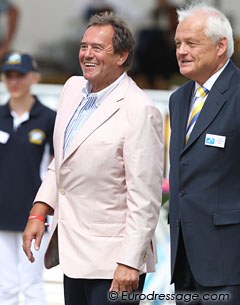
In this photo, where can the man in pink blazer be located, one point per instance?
(104, 185)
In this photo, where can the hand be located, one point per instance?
(34, 230)
(125, 279)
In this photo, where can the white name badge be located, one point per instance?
(215, 140)
(3, 137)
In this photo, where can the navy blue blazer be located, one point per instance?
(205, 181)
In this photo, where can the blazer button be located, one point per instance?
(62, 191)
(181, 193)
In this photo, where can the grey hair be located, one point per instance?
(122, 38)
(217, 25)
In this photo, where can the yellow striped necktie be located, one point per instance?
(198, 103)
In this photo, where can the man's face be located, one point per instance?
(198, 56)
(100, 65)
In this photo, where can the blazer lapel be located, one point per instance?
(213, 104)
(183, 113)
(68, 113)
(106, 110)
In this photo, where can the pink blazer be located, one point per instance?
(106, 191)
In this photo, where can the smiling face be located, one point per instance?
(198, 56)
(100, 65)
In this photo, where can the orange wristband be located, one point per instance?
(39, 217)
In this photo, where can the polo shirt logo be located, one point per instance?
(36, 136)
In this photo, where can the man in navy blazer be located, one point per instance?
(205, 168)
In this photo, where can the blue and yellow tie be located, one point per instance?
(198, 103)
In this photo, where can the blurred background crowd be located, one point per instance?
(51, 31)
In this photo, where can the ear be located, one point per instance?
(222, 46)
(122, 57)
(36, 77)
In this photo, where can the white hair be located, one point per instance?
(217, 24)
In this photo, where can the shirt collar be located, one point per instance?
(33, 111)
(210, 82)
(101, 94)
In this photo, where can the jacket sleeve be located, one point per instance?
(143, 161)
(47, 192)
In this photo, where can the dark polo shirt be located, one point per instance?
(21, 153)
